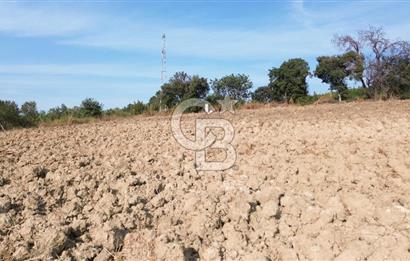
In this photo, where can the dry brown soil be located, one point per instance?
(310, 183)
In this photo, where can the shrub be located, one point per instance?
(405, 95)
(307, 100)
(357, 93)
(117, 112)
(136, 108)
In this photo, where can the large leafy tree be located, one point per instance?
(180, 87)
(288, 82)
(234, 86)
(336, 70)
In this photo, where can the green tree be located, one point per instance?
(90, 108)
(234, 86)
(288, 82)
(263, 94)
(180, 87)
(9, 114)
(30, 115)
(398, 77)
(198, 88)
(336, 70)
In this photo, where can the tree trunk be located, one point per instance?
(340, 97)
(363, 83)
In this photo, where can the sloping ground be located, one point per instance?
(317, 182)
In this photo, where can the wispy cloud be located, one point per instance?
(44, 20)
(300, 14)
(215, 43)
(309, 35)
(96, 70)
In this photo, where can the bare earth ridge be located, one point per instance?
(310, 183)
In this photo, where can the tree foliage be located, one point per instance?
(236, 87)
(289, 80)
(336, 70)
(12, 116)
(263, 94)
(56, 112)
(30, 115)
(180, 87)
(398, 77)
(136, 108)
(9, 114)
(90, 108)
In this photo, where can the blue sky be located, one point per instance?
(61, 52)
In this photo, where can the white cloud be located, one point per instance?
(43, 21)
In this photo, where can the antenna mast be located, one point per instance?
(163, 66)
(163, 60)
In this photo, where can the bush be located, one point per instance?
(405, 96)
(90, 108)
(307, 100)
(136, 108)
(357, 93)
(117, 112)
(55, 113)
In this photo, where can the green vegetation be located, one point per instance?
(357, 94)
(236, 87)
(288, 82)
(9, 115)
(180, 87)
(90, 108)
(380, 66)
(262, 94)
(336, 70)
(308, 99)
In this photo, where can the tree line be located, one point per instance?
(379, 65)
